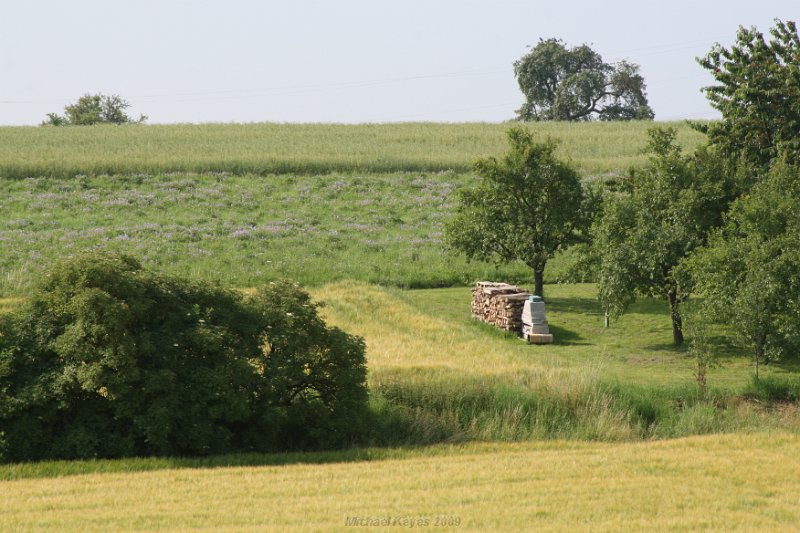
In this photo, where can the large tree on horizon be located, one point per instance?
(575, 84)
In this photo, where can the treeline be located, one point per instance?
(722, 222)
(719, 222)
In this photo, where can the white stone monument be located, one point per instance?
(534, 322)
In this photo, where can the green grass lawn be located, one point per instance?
(637, 348)
(439, 375)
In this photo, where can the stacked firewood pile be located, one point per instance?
(499, 304)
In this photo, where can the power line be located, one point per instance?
(235, 94)
(661, 47)
(417, 115)
(345, 84)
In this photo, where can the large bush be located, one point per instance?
(107, 360)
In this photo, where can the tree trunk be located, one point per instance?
(677, 323)
(538, 281)
(759, 354)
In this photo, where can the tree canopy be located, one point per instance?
(529, 205)
(94, 109)
(561, 83)
(749, 273)
(757, 92)
(662, 213)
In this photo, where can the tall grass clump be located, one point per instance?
(448, 406)
(437, 406)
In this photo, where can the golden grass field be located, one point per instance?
(713, 483)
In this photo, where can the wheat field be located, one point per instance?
(712, 483)
(266, 148)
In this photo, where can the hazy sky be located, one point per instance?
(345, 60)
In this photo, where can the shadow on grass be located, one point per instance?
(567, 337)
(51, 469)
(583, 306)
(668, 347)
(590, 306)
(788, 365)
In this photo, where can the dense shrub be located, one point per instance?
(109, 360)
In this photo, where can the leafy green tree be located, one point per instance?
(94, 109)
(529, 205)
(109, 360)
(749, 273)
(561, 83)
(316, 373)
(660, 215)
(757, 91)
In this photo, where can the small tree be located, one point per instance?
(758, 94)
(561, 83)
(701, 349)
(529, 206)
(662, 214)
(94, 109)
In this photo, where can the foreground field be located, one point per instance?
(595, 148)
(714, 483)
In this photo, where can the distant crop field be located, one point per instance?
(713, 483)
(595, 148)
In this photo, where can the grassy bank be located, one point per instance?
(714, 483)
(261, 149)
(436, 375)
